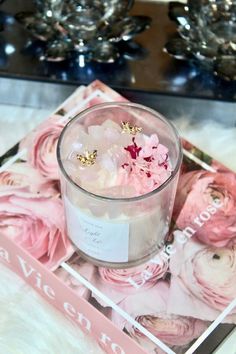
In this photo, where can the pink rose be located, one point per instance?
(85, 269)
(41, 147)
(219, 167)
(119, 283)
(206, 201)
(36, 223)
(202, 279)
(150, 310)
(21, 174)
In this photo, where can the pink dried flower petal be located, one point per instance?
(134, 149)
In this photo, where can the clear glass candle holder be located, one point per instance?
(117, 231)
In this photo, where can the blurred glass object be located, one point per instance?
(206, 35)
(95, 29)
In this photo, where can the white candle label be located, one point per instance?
(103, 240)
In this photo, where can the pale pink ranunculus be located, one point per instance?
(22, 175)
(36, 223)
(171, 329)
(202, 279)
(41, 146)
(212, 195)
(149, 309)
(83, 268)
(119, 283)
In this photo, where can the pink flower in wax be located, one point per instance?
(202, 278)
(153, 151)
(212, 195)
(150, 310)
(83, 268)
(41, 146)
(36, 223)
(133, 149)
(146, 167)
(150, 145)
(125, 165)
(138, 178)
(21, 174)
(118, 283)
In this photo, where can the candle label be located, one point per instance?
(103, 240)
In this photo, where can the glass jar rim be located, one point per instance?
(120, 104)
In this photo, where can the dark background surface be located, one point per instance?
(156, 72)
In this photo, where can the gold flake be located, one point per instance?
(88, 159)
(130, 129)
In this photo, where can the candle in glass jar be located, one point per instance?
(119, 168)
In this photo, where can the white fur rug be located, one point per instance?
(29, 325)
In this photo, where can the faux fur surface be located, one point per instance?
(29, 325)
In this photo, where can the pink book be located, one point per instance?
(170, 304)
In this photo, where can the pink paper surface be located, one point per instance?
(175, 296)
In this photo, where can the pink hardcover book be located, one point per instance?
(170, 304)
